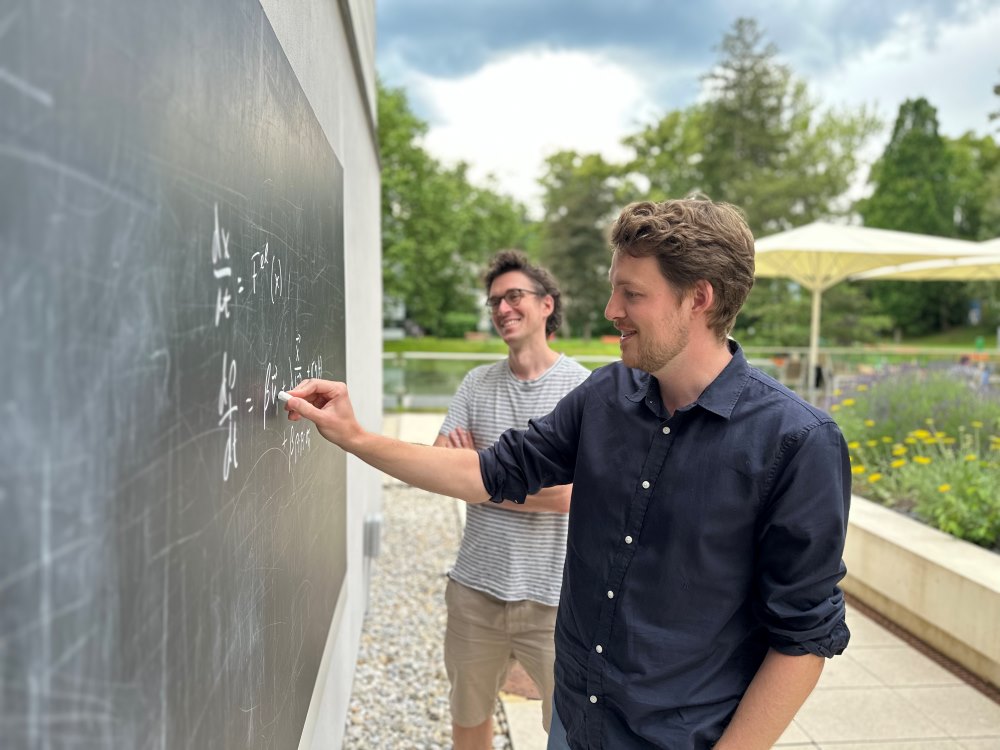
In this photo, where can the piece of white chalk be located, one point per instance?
(283, 397)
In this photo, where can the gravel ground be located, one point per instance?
(400, 692)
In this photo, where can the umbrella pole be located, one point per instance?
(813, 345)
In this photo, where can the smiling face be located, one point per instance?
(524, 321)
(652, 317)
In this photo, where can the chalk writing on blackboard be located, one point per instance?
(221, 268)
(227, 411)
(266, 281)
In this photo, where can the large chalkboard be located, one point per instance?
(171, 255)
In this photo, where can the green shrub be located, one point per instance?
(927, 444)
(456, 324)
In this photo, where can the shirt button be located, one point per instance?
(611, 595)
(645, 484)
(628, 540)
(599, 649)
(593, 699)
(666, 430)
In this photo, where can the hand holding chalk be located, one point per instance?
(327, 405)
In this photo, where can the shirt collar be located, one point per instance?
(720, 396)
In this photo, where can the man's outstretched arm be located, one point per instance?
(547, 500)
(447, 472)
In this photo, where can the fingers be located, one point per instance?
(313, 387)
(318, 392)
(300, 407)
(460, 438)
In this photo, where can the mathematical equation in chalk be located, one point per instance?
(264, 280)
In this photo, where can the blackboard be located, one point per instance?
(171, 255)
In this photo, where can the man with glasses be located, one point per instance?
(709, 511)
(503, 591)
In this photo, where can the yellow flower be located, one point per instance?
(835, 407)
(871, 443)
(971, 457)
(849, 402)
(837, 391)
(858, 469)
(977, 424)
(886, 439)
(874, 477)
(944, 488)
(923, 434)
(899, 450)
(910, 440)
(869, 423)
(854, 444)
(948, 441)
(862, 387)
(923, 460)
(899, 462)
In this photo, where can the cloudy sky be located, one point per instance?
(503, 83)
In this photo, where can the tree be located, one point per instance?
(579, 202)
(438, 229)
(759, 141)
(974, 176)
(914, 192)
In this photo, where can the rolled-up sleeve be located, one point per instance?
(522, 462)
(801, 534)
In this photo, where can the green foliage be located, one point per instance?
(456, 324)
(579, 203)
(495, 345)
(777, 313)
(758, 140)
(929, 444)
(911, 179)
(975, 183)
(926, 183)
(438, 229)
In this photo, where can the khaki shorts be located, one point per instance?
(484, 635)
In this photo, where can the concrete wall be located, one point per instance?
(331, 47)
(941, 589)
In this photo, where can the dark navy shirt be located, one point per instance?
(697, 541)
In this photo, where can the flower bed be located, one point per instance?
(927, 443)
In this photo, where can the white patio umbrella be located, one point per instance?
(821, 254)
(984, 267)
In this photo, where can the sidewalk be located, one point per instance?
(881, 694)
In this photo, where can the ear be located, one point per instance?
(548, 304)
(702, 296)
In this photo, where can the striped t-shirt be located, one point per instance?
(512, 555)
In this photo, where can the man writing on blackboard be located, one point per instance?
(709, 505)
(504, 588)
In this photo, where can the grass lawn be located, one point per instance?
(495, 345)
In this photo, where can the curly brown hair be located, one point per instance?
(693, 239)
(506, 261)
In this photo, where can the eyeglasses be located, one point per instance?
(512, 296)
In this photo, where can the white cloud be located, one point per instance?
(505, 118)
(954, 69)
